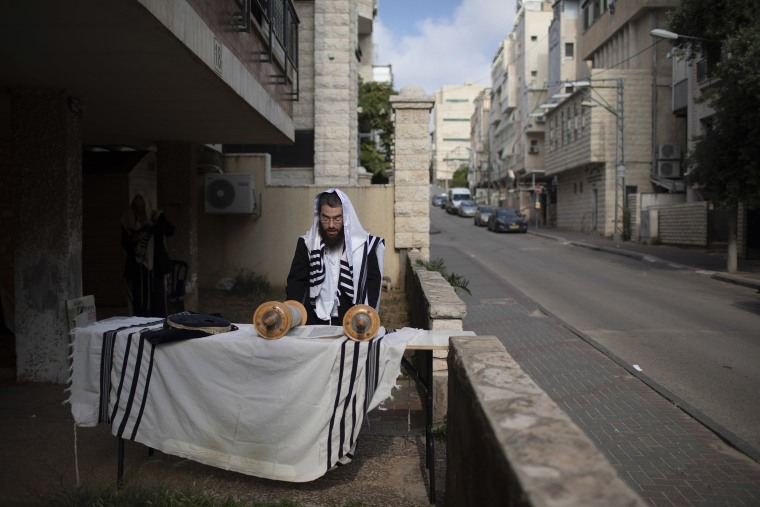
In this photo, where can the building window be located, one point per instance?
(534, 38)
(534, 73)
(457, 100)
(569, 50)
(456, 119)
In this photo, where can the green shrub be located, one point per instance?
(456, 281)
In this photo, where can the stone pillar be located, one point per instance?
(411, 175)
(335, 92)
(47, 180)
(178, 195)
(411, 178)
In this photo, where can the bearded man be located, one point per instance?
(337, 264)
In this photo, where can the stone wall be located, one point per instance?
(411, 208)
(508, 443)
(434, 305)
(683, 224)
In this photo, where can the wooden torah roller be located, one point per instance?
(274, 319)
(361, 322)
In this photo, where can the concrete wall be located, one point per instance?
(509, 444)
(264, 243)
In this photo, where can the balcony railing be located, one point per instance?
(277, 22)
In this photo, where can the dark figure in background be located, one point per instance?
(143, 234)
(337, 264)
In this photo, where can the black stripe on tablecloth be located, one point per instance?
(337, 402)
(106, 363)
(349, 396)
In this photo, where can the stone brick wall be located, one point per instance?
(434, 305)
(411, 108)
(335, 92)
(508, 443)
(683, 224)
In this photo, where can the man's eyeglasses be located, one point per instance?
(326, 220)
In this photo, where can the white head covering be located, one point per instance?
(355, 238)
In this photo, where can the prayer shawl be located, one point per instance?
(352, 281)
(288, 409)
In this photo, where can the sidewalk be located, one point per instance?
(667, 457)
(747, 275)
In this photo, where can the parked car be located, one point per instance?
(456, 196)
(482, 214)
(507, 220)
(444, 201)
(467, 209)
(438, 199)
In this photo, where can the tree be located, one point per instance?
(459, 178)
(375, 128)
(725, 164)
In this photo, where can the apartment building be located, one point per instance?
(608, 130)
(501, 116)
(520, 86)
(480, 163)
(454, 106)
(129, 76)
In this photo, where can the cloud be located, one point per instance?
(446, 50)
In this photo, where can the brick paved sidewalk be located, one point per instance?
(665, 455)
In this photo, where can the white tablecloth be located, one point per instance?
(287, 409)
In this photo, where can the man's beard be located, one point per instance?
(331, 243)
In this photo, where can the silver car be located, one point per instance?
(482, 214)
(467, 209)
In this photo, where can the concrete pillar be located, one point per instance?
(178, 197)
(47, 181)
(411, 168)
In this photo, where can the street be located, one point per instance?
(694, 336)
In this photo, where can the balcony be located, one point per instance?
(144, 72)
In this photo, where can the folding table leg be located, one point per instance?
(120, 465)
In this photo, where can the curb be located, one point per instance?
(721, 276)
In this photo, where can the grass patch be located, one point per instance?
(394, 309)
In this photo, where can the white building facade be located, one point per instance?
(454, 106)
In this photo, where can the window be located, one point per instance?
(533, 38)
(569, 50)
(457, 100)
(534, 73)
(456, 119)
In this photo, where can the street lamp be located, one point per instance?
(619, 137)
(667, 34)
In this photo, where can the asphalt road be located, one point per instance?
(697, 337)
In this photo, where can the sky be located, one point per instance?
(432, 43)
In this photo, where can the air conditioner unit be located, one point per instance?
(668, 151)
(533, 150)
(668, 169)
(229, 193)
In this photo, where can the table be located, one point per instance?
(287, 409)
